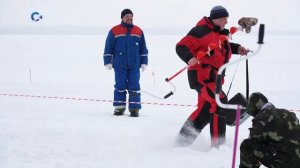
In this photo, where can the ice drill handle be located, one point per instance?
(261, 34)
(168, 95)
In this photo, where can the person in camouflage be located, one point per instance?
(274, 136)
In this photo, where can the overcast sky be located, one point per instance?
(276, 14)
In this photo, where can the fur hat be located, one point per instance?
(256, 102)
(125, 12)
(218, 12)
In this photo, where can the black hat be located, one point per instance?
(218, 12)
(125, 12)
(256, 102)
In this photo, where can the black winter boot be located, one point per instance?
(119, 110)
(134, 112)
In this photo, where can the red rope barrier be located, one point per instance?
(93, 100)
(101, 100)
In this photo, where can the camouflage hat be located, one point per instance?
(256, 102)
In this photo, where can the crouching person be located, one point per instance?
(274, 139)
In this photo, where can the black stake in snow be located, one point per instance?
(247, 80)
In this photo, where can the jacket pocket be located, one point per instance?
(118, 59)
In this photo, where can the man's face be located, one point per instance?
(128, 18)
(221, 22)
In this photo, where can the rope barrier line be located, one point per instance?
(93, 100)
(99, 100)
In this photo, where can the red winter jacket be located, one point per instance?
(198, 39)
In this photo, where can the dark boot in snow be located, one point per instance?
(247, 22)
(119, 110)
(187, 134)
(134, 112)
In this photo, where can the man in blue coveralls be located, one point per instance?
(126, 52)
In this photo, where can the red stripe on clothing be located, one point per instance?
(200, 105)
(215, 135)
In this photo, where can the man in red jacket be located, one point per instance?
(202, 72)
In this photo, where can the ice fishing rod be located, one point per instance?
(222, 68)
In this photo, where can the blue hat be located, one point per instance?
(125, 12)
(218, 12)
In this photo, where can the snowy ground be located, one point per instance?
(62, 133)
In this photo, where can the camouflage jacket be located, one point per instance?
(279, 129)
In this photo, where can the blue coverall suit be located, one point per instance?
(126, 50)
